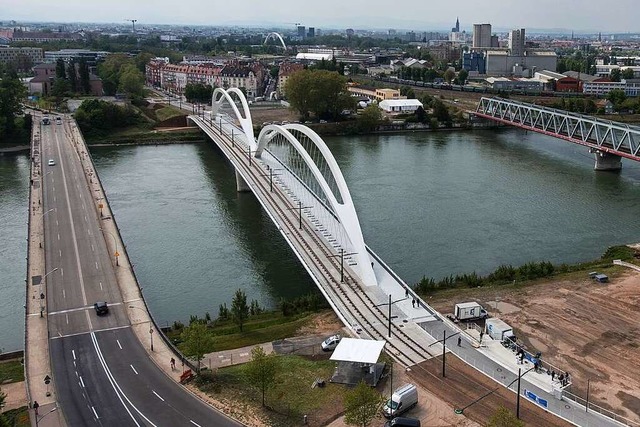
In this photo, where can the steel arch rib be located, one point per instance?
(345, 211)
(276, 36)
(220, 95)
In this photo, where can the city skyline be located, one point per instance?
(588, 15)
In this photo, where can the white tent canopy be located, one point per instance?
(358, 350)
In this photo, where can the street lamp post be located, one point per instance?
(444, 348)
(35, 407)
(150, 327)
(42, 294)
(390, 317)
(115, 243)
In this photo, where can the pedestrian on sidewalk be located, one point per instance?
(406, 293)
(459, 341)
(413, 303)
(173, 364)
(481, 335)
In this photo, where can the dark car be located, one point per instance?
(402, 422)
(101, 308)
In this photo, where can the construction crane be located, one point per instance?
(133, 23)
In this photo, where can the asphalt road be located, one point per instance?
(103, 375)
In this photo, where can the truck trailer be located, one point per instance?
(466, 311)
(498, 329)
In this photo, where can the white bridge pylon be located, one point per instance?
(341, 204)
(275, 36)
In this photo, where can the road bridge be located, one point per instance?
(296, 179)
(609, 141)
(82, 368)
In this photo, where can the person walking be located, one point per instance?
(173, 364)
(459, 341)
(406, 293)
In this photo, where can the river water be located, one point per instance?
(430, 204)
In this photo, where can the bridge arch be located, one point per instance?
(220, 96)
(341, 203)
(275, 36)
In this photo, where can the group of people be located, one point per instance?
(563, 378)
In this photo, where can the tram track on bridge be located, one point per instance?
(374, 319)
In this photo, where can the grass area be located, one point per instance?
(265, 327)
(17, 417)
(168, 112)
(142, 134)
(11, 371)
(291, 396)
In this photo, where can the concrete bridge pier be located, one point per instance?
(241, 184)
(606, 161)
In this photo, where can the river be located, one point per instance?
(430, 204)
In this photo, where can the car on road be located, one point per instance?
(46, 120)
(331, 343)
(58, 120)
(52, 162)
(101, 308)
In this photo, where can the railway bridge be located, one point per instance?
(609, 141)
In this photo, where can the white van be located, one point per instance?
(331, 343)
(403, 399)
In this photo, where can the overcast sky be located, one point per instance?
(578, 15)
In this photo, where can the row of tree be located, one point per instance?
(121, 74)
(96, 117)
(322, 93)
(71, 78)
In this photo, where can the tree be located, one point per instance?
(262, 370)
(441, 112)
(196, 341)
(111, 69)
(617, 96)
(449, 75)
(12, 92)
(60, 89)
(320, 92)
(239, 308)
(361, 405)
(85, 79)
(504, 418)
(462, 76)
(628, 73)
(408, 92)
(369, 119)
(61, 71)
(131, 81)
(72, 77)
(616, 74)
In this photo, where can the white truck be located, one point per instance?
(498, 329)
(466, 311)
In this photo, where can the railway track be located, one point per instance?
(404, 348)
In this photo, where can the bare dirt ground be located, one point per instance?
(584, 327)
(273, 114)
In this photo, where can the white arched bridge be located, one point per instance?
(608, 140)
(296, 179)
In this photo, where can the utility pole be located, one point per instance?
(133, 23)
(342, 254)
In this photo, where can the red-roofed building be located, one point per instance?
(286, 70)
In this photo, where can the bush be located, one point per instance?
(96, 117)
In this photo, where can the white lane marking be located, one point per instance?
(86, 307)
(134, 369)
(85, 217)
(54, 199)
(80, 195)
(194, 423)
(74, 354)
(82, 382)
(101, 286)
(96, 265)
(67, 317)
(64, 294)
(61, 271)
(92, 248)
(89, 232)
(244, 354)
(96, 414)
(85, 333)
(119, 345)
(58, 236)
(57, 222)
(115, 385)
(159, 397)
(60, 252)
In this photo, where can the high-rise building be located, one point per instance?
(516, 42)
(301, 31)
(481, 35)
(311, 33)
